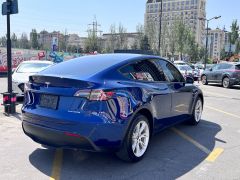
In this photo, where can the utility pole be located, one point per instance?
(95, 32)
(65, 38)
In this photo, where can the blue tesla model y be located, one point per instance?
(112, 102)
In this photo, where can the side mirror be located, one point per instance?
(189, 80)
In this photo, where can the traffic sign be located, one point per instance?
(10, 7)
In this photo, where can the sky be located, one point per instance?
(75, 15)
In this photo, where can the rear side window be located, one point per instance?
(225, 66)
(143, 71)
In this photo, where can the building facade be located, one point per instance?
(188, 11)
(75, 40)
(217, 39)
(120, 41)
(45, 38)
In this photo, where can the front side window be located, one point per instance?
(143, 71)
(215, 67)
(171, 72)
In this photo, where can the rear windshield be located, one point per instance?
(85, 66)
(237, 67)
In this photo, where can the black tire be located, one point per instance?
(194, 120)
(204, 80)
(126, 152)
(226, 83)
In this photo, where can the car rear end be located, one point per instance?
(73, 113)
(235, 75)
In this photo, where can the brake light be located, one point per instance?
(95, 95)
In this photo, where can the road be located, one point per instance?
(210, 150)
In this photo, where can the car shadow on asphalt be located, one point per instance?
(169, 157)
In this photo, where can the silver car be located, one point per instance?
(24, 70)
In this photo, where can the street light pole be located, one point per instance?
(206, 50)
(160, 27)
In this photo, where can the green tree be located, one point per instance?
(112, 40)
(34, 39)
(122, 37)
(24, 43)
(91, 41)
(237, 50)
(201, 53)
(14, 41)
(182, 33)
(151, 32)
(192, 48)
(223, 54)
(144, 44)
(233, 35)
(172, 38)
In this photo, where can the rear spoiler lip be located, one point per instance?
(64, 82)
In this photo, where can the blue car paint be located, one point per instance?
(103, 124)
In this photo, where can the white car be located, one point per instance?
(185, 70)
(24, 70)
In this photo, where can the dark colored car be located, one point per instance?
(226, 74)
(110, 102)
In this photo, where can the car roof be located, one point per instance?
(88, 66)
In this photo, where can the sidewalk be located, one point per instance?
(16, 117)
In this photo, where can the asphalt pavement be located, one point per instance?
(210, 150)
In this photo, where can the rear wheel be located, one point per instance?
(136, 142)
(226, 82)
(204, 80)
(197, 112)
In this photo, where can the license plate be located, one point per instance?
(48, 101)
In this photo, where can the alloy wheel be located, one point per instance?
(226, 82)
(198, 110)
(140, 138)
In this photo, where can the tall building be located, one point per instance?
(189, 11)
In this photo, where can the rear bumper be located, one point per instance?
(61, 133)
(235, 81)
(58, 139)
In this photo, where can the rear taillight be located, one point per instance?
(95, 95)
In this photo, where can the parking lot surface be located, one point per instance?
(210, 150)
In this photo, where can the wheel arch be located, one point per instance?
(147, 113)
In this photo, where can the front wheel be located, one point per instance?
(136, 142)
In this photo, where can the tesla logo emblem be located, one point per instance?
(47, 84)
